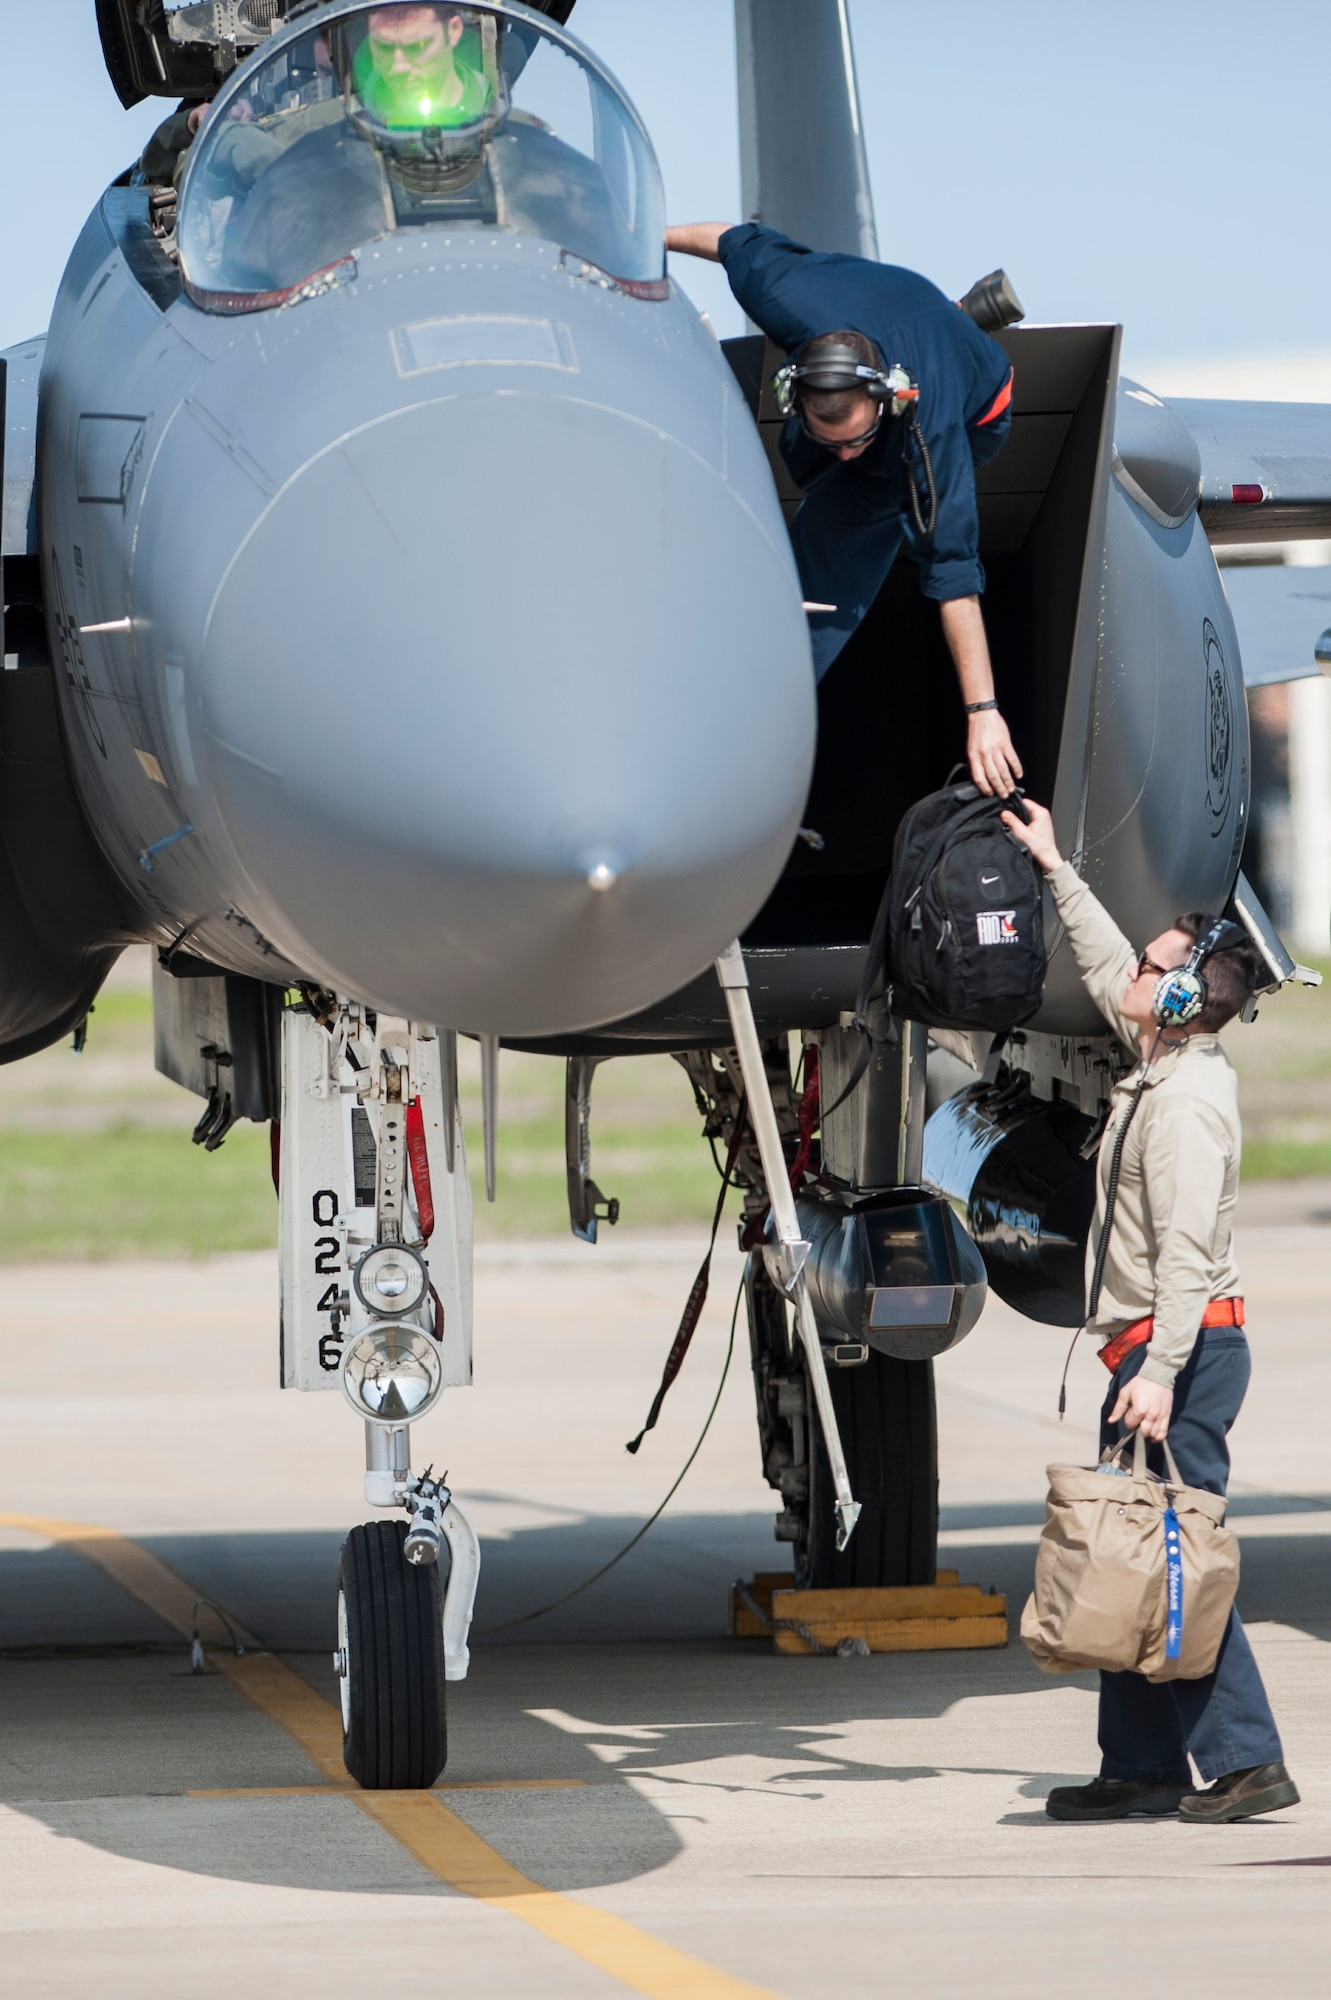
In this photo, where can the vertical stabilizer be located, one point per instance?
(802, 161)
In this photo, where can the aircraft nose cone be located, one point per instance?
(508, 709)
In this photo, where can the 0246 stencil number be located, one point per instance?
(327, 1264)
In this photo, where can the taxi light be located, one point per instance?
(1248, 496)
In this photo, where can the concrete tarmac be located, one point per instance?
(633, 1801)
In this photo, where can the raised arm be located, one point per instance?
(697, 239)
(1104, 957)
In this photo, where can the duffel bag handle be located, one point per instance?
(1114, 1451)
(1137, 1439)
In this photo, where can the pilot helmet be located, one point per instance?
(423, 82)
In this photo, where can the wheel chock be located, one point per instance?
(915, 1618)
(747, 1624)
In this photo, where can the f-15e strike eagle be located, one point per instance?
(346, 503)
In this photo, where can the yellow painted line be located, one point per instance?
(438, 1839)
(268, 1792)
(510, 1785)
(325, 1791)
(449, 1848)
(135, 1569)
(288, 1700)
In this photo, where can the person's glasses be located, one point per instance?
(844, 444)
(1145, 964)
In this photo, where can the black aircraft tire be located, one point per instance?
(889, 1430)
(394, 1733)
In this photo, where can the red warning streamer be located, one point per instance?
(419, 1160)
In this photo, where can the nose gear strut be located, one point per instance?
(786, 1258)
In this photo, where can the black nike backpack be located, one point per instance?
(965, 916)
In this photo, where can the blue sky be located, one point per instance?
(1162, 164)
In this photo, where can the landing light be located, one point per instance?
(391, 1280)
(392, 1374)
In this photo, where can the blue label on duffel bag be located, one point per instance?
(1173, 1586)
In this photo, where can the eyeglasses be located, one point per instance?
(1145, 964)
(843, 444)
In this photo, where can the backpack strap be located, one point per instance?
(978, 809)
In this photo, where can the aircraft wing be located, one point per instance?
(1266, 468)
(1283, 618)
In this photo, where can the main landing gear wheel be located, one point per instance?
(889, 1430)
(391, 1662)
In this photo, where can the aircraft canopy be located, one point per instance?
(402, 116)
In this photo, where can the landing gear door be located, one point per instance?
(326, 1204)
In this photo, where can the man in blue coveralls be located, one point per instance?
(848, 320)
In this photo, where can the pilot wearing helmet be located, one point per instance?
(894, 398)
(421, 129)
(407, 72)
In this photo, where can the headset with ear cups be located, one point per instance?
(1181, 995)
(833, 368)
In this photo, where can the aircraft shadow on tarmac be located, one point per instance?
(105, 1732)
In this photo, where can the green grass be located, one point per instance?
(1283, 1061)
(96, 1160)
(1278, 1160)
(133, 1191)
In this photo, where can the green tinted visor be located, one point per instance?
(416, 103)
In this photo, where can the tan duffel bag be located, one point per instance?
(1133, 1573)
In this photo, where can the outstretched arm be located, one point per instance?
(995, 765)
(1104, 957)
(697, 239)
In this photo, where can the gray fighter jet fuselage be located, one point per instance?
(403, 638)
(385, 621)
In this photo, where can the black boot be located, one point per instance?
(1115, 1798)
(1261, 1788)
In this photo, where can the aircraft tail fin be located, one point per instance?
(803, 167)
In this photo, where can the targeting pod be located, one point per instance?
(896, 1270)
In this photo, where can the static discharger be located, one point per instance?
(490, 1107)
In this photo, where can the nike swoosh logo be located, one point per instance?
(987, 881)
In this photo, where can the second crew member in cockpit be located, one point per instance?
(894, 398)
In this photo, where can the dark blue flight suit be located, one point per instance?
(856, 515)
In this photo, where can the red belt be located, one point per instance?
(1220, 1312)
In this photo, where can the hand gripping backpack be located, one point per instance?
(965, 915)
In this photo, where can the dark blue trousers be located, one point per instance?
(1148, 1728)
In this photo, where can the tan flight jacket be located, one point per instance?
(1171, 1248)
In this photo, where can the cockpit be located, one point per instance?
(407, 116)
